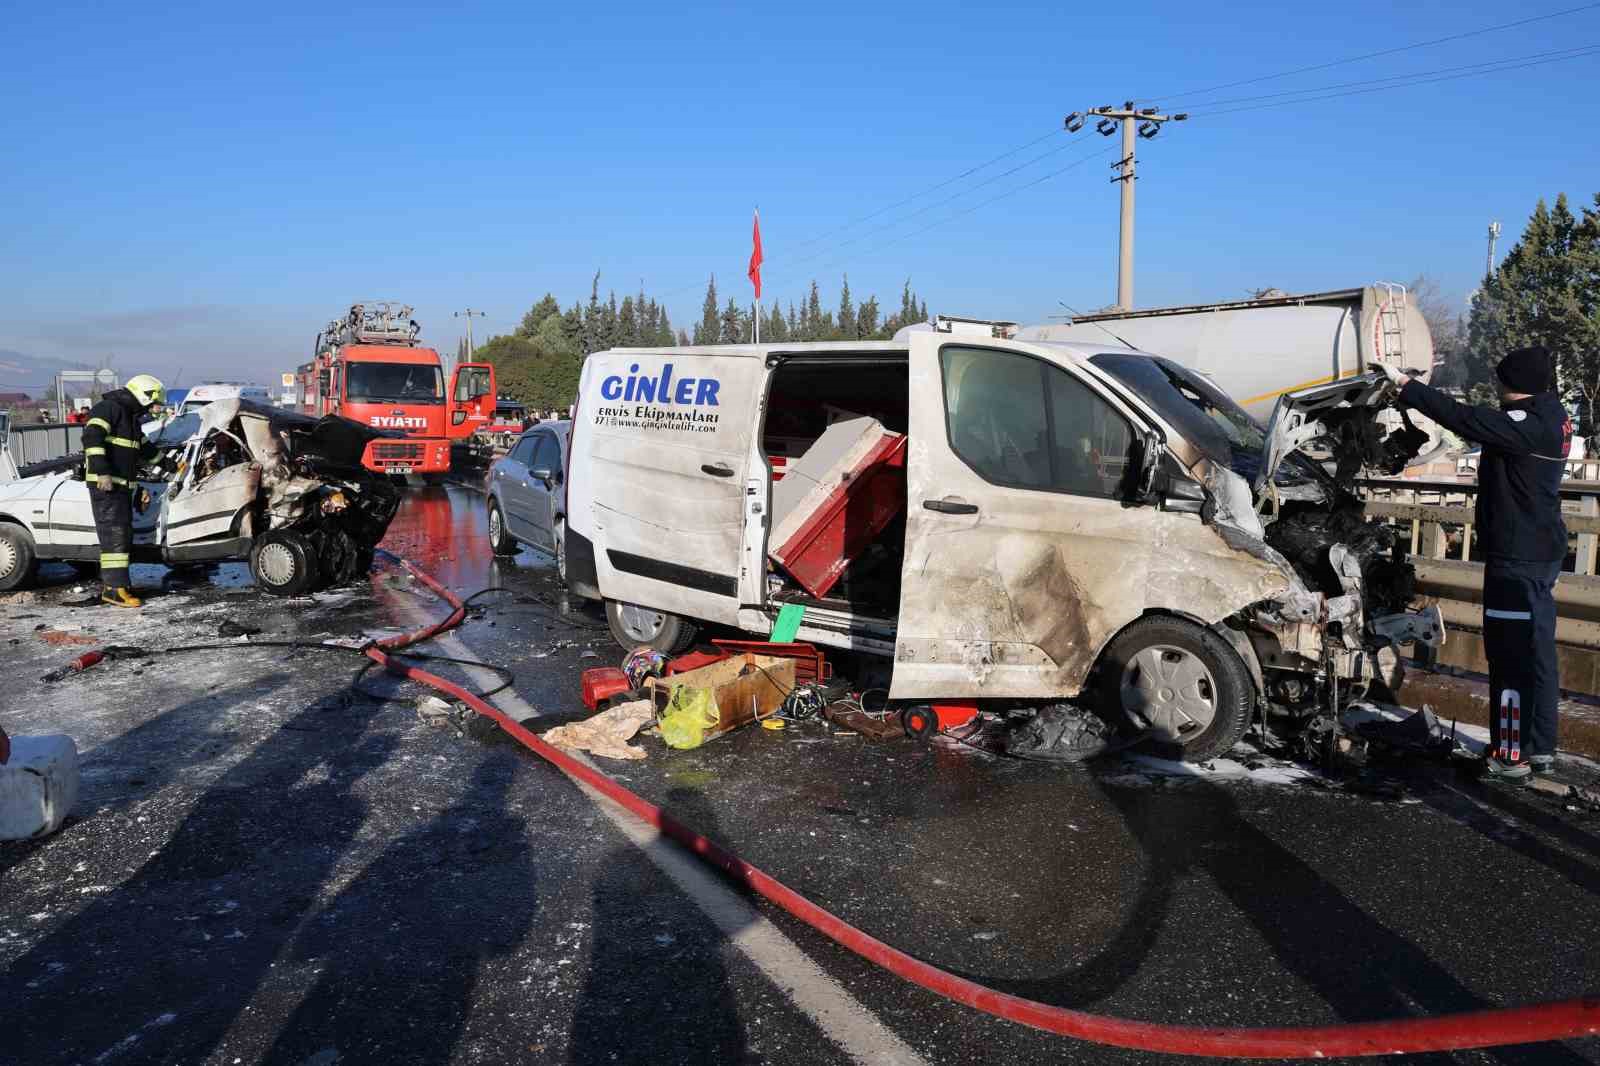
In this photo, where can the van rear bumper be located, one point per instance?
(582, 577)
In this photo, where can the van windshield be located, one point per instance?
(393, 382)
(1203, 413)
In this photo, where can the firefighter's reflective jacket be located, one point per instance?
(112, 442)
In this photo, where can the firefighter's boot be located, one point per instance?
(120, 597)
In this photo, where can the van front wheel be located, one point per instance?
(634, 627)
(1184, 681)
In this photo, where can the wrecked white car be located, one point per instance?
(1069, 522)
(238, 481)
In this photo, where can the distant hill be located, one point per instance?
(31, 374)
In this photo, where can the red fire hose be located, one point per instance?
(1561, 1020)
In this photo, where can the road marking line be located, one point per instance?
(842, 1018)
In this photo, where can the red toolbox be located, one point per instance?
(810, 667)
(601, 684)
(835, 500)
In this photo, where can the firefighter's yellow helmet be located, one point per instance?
(147, 389)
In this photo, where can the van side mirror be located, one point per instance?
(1146, 487)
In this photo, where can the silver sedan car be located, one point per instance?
(527, 500)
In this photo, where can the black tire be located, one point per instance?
(560, 534)
(643, 627)
(1206, 672)
(19, 562)
(501, 542)
(284, 563)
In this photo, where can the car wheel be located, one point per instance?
(634, 627)
(560, 533)
(1181, 679)
(501, 542)
(19, 563)
(284, 563)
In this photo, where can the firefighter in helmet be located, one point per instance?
(113, 450)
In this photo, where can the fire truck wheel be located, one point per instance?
(501, 542)
(284, 563)
(18, 562)
(634, 627)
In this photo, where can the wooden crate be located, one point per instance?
(744, 686)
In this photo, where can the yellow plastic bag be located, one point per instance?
(690, 712)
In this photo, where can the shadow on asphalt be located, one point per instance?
(1362, 968)
(401, 948)
(619, 1017)
(253, 851)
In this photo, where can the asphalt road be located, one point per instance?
(267, 865)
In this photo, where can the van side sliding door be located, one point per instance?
(1021, 559)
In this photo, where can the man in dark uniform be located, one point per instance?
(113, 450)
(1523, 542)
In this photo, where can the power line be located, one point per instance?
(970, 209)
(1485, 67)
(932, 188)
(930, 207)
(1382, 52)
(1586, 50)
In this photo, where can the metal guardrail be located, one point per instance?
(37, 444)
(1439, 516)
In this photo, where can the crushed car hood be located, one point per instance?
(1343, 419)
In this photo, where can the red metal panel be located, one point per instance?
(854, 513)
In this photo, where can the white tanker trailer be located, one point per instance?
(1260, 349)
(1257, 350)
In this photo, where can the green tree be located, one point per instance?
(540, 311)
(867, 319)
(709, 328)
(811, 325)
(775, 330)
(627, 324)
(793, 325)
(732, 328)
(845, 328)
(1545, 292)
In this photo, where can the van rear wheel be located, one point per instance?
(634, 627)
(1184, 681)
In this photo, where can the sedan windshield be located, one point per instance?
(394, 383)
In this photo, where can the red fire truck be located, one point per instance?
(369, 366)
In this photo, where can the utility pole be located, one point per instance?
(469, 314)
(1149, 121)
(1488, 264)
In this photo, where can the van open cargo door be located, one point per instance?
(671, 443)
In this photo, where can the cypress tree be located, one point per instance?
(732, 327)
(709, 329)
(846, 327)
(627, 324)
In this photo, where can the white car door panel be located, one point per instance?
(208, 508)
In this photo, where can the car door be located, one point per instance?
(545, 472)
(1021, 556)
(669, 444)
(511, 485)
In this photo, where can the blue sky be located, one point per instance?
(203, 188)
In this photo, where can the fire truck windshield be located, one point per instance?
(393, 383)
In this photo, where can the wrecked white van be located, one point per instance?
(1077, 521)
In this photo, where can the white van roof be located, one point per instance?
(1078, 349)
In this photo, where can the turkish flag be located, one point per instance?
(755, 256)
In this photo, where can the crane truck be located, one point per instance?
(370, 366)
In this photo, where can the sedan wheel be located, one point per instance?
(633, 627)
(18, 563)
